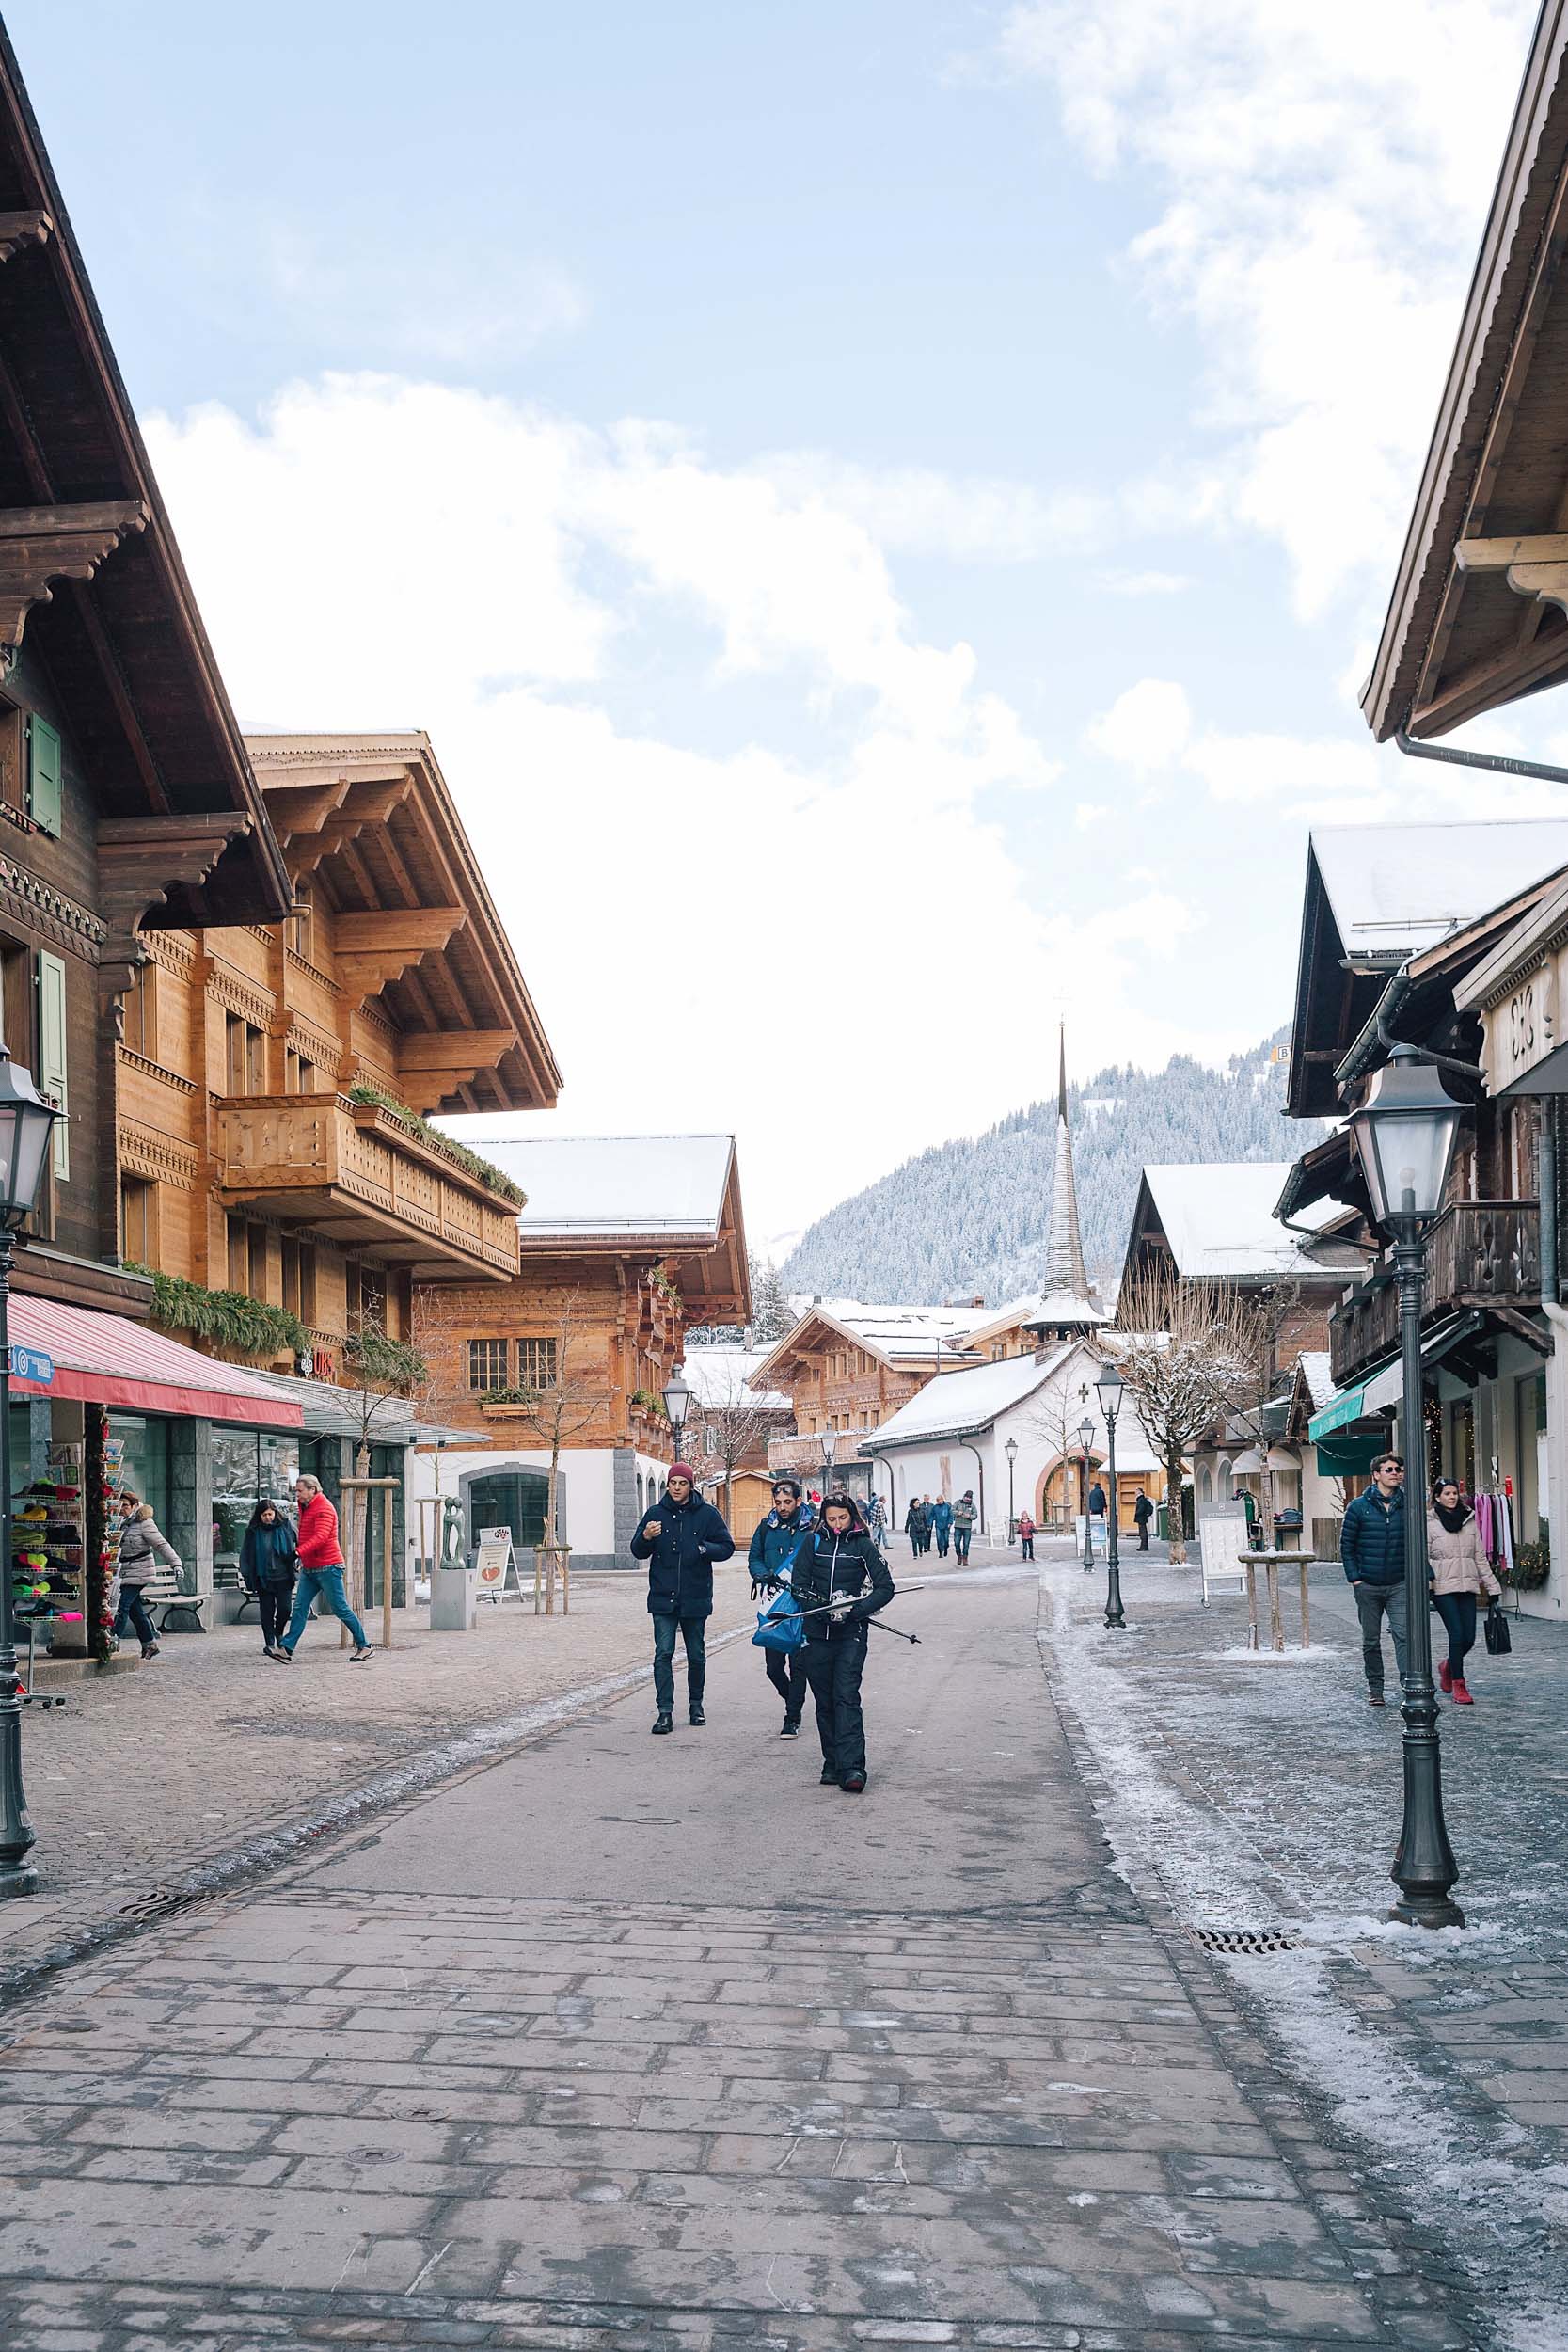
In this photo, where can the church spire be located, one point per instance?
(1067, 1299)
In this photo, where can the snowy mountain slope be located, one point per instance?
(972, 1214)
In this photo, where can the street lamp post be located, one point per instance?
(1404, 1134)
(830, 1448)
(1010, 1450)
(1085, 1439)
(26, 1123)
(677, 1404)
(1108, 1389)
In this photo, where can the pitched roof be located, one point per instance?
(1217, 1218)
(721, 1378)
(1405, 888)
(957, 1403)
(606, 1186)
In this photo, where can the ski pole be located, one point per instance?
(826, 1607)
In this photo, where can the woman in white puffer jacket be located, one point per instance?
(1458, 1570)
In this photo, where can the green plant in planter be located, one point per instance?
(1532, 1565)
(645, 1402)
(379, 1362)
(512, 1395)
(228, 1318)
(433, 1140)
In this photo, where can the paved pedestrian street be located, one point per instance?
(612, 2044)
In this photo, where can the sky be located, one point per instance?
(883, 506)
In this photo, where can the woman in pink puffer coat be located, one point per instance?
(1458, 1570)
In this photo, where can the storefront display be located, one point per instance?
(49, 1554)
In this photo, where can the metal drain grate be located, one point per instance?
(1243, 1940)
(165, 1900)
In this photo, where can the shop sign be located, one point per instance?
(31, 1363)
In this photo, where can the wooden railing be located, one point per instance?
(286, 1147)
(1478, 1253)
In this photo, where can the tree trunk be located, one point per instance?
(1175, 1507)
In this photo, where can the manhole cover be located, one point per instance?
(1243, 1940)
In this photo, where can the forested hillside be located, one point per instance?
(972, 1214)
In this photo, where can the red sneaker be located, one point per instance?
(1461, 1697)
(1445, 1676)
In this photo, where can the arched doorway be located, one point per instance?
(509, 1497)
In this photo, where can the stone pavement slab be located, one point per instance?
(611, 2045)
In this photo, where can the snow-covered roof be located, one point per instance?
(1218, 1219)
(903, 1331)
(955, 1402)
(1407, 886)
(1319, 1379)
(719, 1377)
(588, 1184)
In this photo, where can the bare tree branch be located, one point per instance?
(1187, 1352)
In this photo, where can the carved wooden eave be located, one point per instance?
(366, 804)
(140, 861)
(1534, 566)
(20, 228)
(431, 1067)
(372, 949)
(40, 545)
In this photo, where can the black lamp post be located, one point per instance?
(26, 1123)
(830, 1448)
(1404, 1134)
(1010, 1450)
(1085, 1439)
(677, 1404)
(1108, 1389)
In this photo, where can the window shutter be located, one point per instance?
(51, 1060)
(44, 771)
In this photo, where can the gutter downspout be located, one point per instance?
(1494, 761)
(970, 1448)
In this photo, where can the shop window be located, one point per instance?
(249, 1465)
(487, 1365)
(16, 1002)
(535, 1364)
(140, 1012)
(50, 1073)
(138, 1243)
(146, 1470)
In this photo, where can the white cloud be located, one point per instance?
(1147, 728)
(659, 889)
(1090, 813)
(1321, 171)
(1145, 583)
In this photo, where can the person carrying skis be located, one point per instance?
(775, 1544)
(841, 1575)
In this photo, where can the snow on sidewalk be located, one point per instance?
(1272, 1800)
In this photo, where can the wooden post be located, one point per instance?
(1276, 1622)
(363, 1486)
(1306, 1619)
(1251, 1566)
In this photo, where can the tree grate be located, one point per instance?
(1257, 1940)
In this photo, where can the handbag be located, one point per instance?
(780, 1626)
(1499, 1640)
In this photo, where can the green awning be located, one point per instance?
(1342, 1407)
(1348, 1456)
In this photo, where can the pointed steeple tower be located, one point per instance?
(1067, 1302)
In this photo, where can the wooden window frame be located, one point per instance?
(536, 1362)
(481, 1366)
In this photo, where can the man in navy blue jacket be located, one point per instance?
(1371, 1553)
(778, 1541)
(680, 1537)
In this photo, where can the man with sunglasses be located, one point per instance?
(1372, 1551)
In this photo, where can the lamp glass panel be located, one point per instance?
(9, 1118)
(32, 1130)
(1412, 1150)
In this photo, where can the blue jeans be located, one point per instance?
(693, 1634)
(133, 1611)
(961, 1543)
(1458, 1613)
(328, 1583)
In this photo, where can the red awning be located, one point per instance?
(106, 1359)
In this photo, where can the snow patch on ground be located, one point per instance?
(1502, 2199)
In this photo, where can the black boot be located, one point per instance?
(697, 1717)
(663, 1722)
(829, 1776)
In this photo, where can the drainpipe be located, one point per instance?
(1492, 760)
(981, 1460)
(1550, 1287)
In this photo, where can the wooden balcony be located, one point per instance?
(1480, 1254)
(355, 1174)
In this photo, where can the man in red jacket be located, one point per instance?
(321, 1571)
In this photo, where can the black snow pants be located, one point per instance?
(834, 1669)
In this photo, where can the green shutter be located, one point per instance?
(44, 771)
(52, 1070)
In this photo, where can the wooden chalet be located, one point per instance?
(1479, 613)
(275, 1076)
(128, 807)
(847, 1367)
(625, 1241)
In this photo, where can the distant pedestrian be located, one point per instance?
(1097, 1500)
(1027, 1536)
(1459, 1569)
(965, 1517)
(877, 1520)
(142, 1546)
(1142, 1510)
(1371, 1553)
(680, 1537)
(941, 1524)
(840, 1566)
(269, 1564)
(917, 1527)
(321, 1575)
(776, 1544)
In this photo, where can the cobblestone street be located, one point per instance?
(202, 1756)
(599, 2044)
